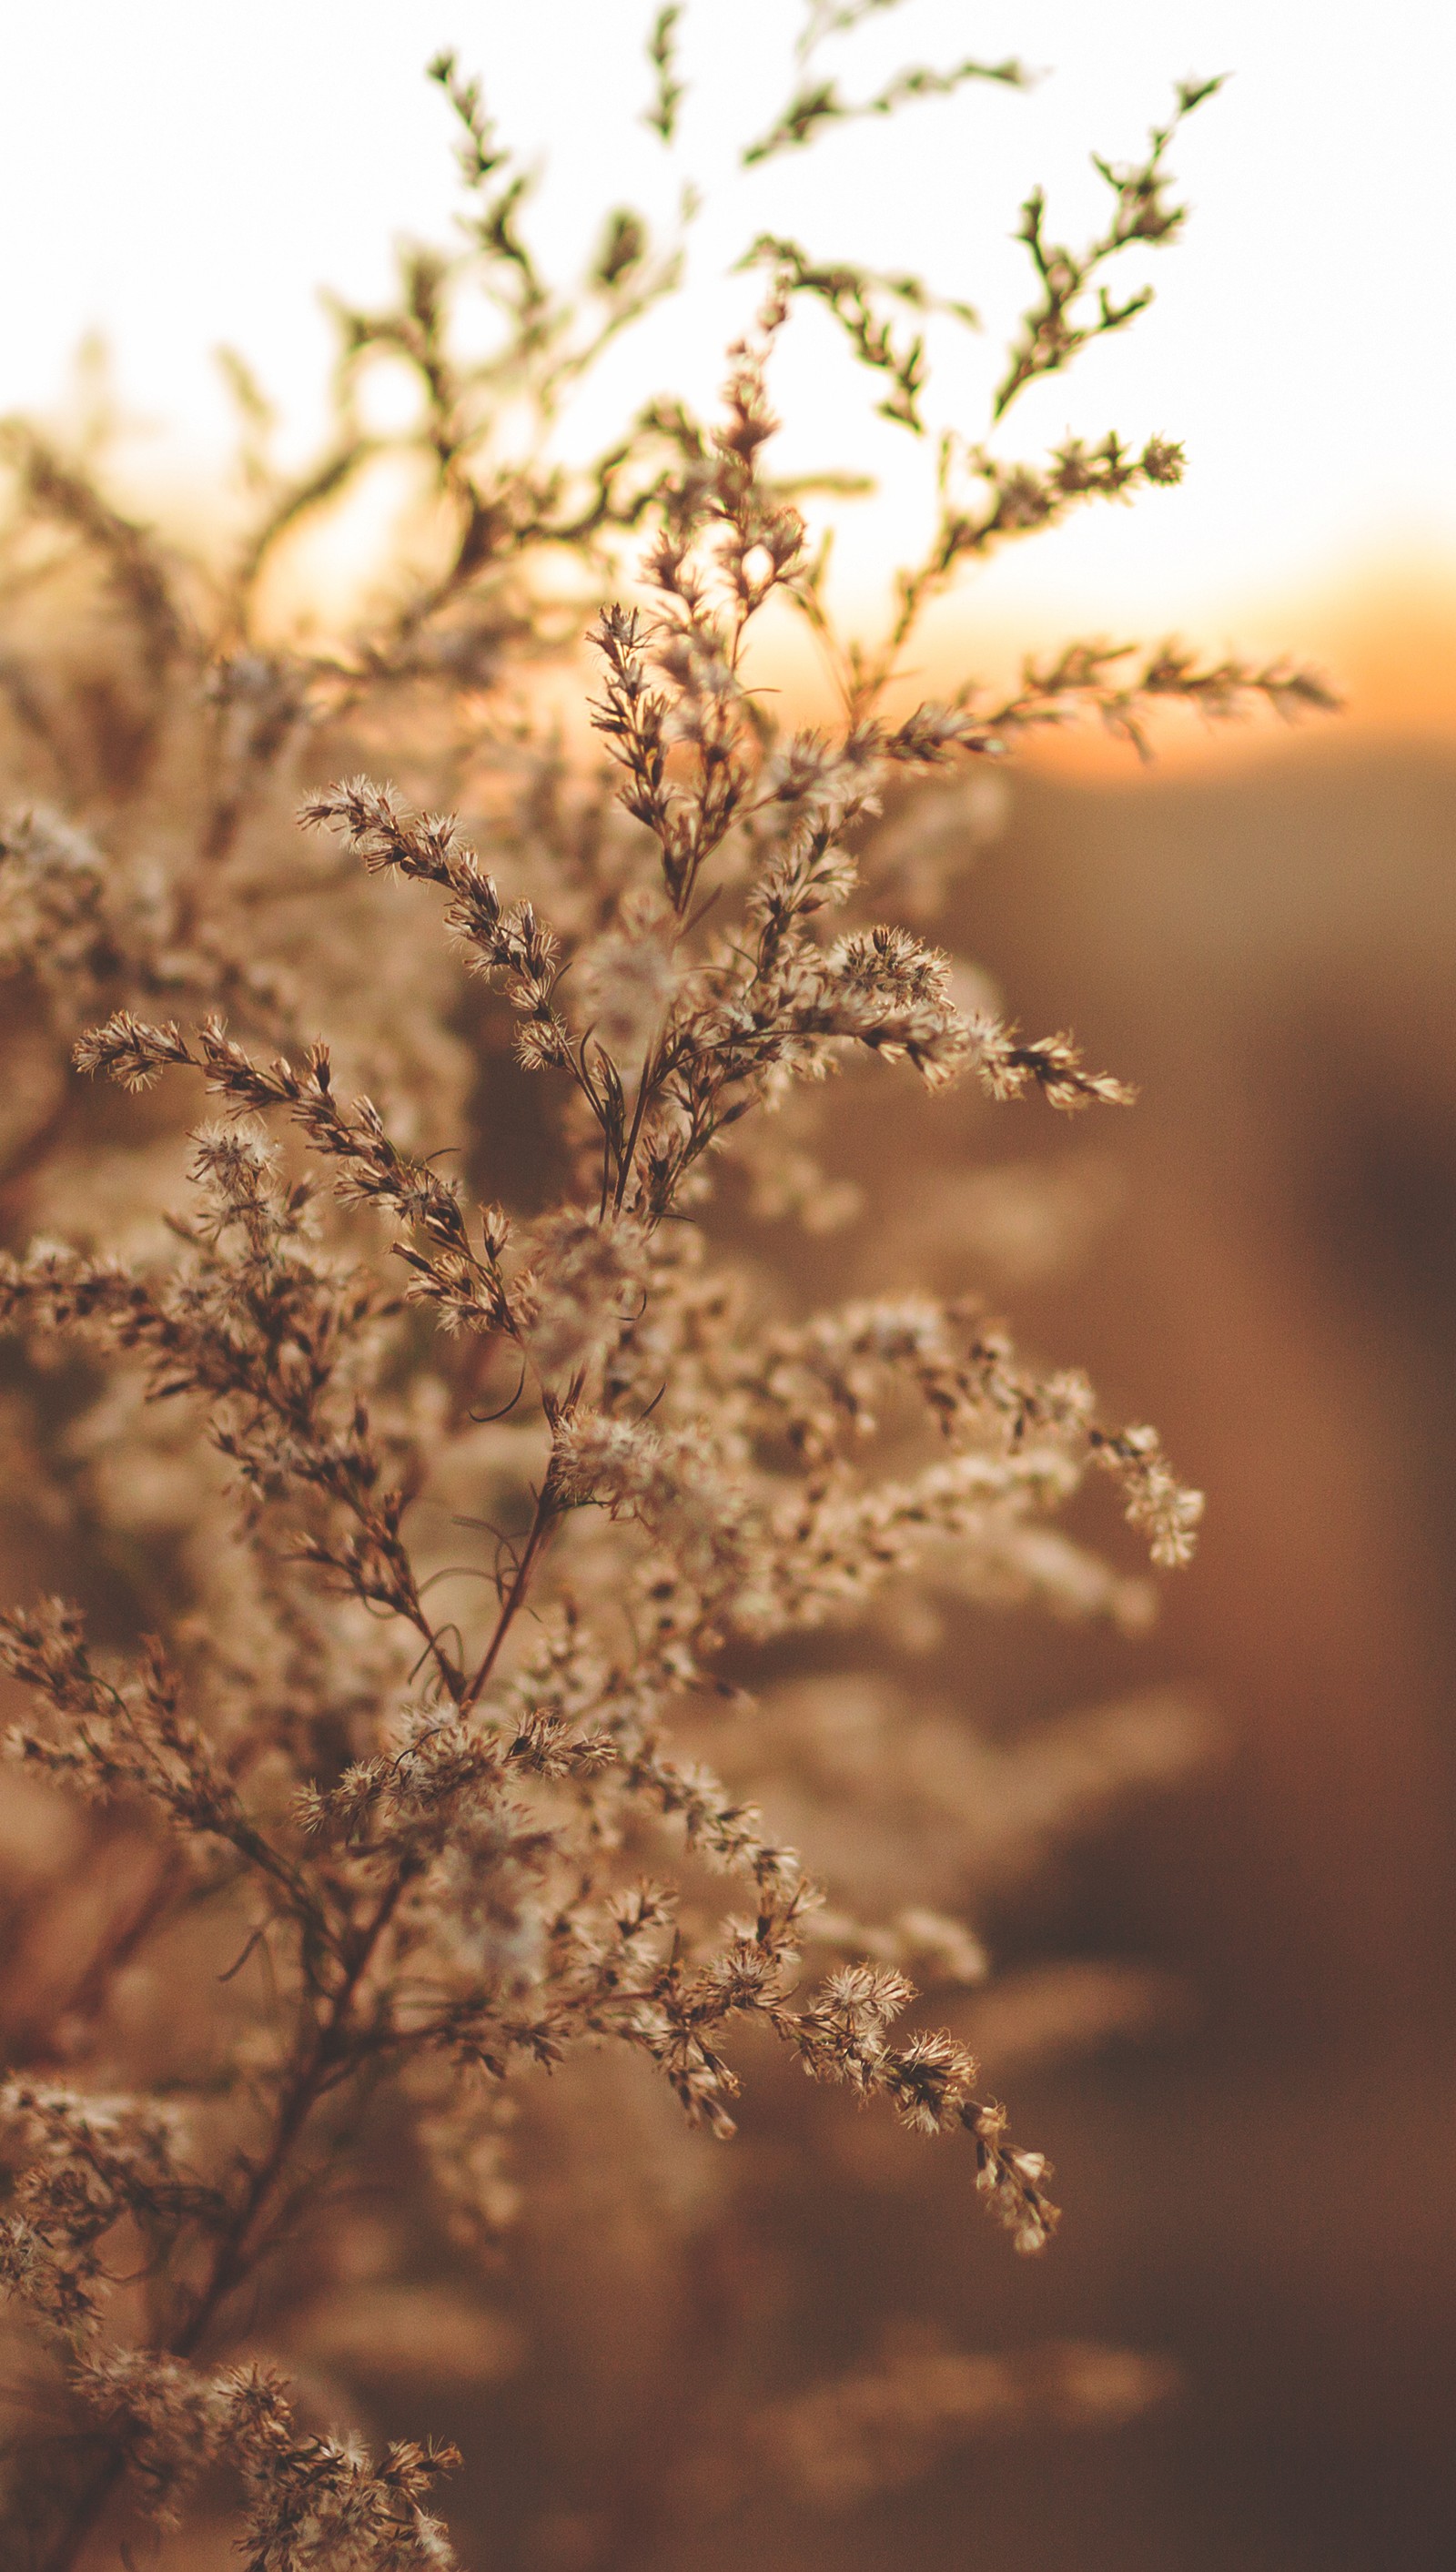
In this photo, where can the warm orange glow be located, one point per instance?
(1392, 645)
(1387, 642)
(184, 178)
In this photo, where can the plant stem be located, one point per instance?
(236, 2247)
(542, 1526)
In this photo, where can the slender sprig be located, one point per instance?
(1073, 304)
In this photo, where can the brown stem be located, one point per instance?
(645, 1088)
(542, 1526)
(295, 2108)
(236, 2245)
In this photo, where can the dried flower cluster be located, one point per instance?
(285, 1434)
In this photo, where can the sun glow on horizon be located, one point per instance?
(184, 179)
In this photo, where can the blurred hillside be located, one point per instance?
(1272, 959)
(1270, 950)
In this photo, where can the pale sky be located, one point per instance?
(177, 173)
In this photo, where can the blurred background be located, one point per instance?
(1259, 931)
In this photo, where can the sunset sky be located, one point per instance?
(177, 173)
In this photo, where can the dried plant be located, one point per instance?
(390, 1856)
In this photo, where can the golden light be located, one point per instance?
(183, 177)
